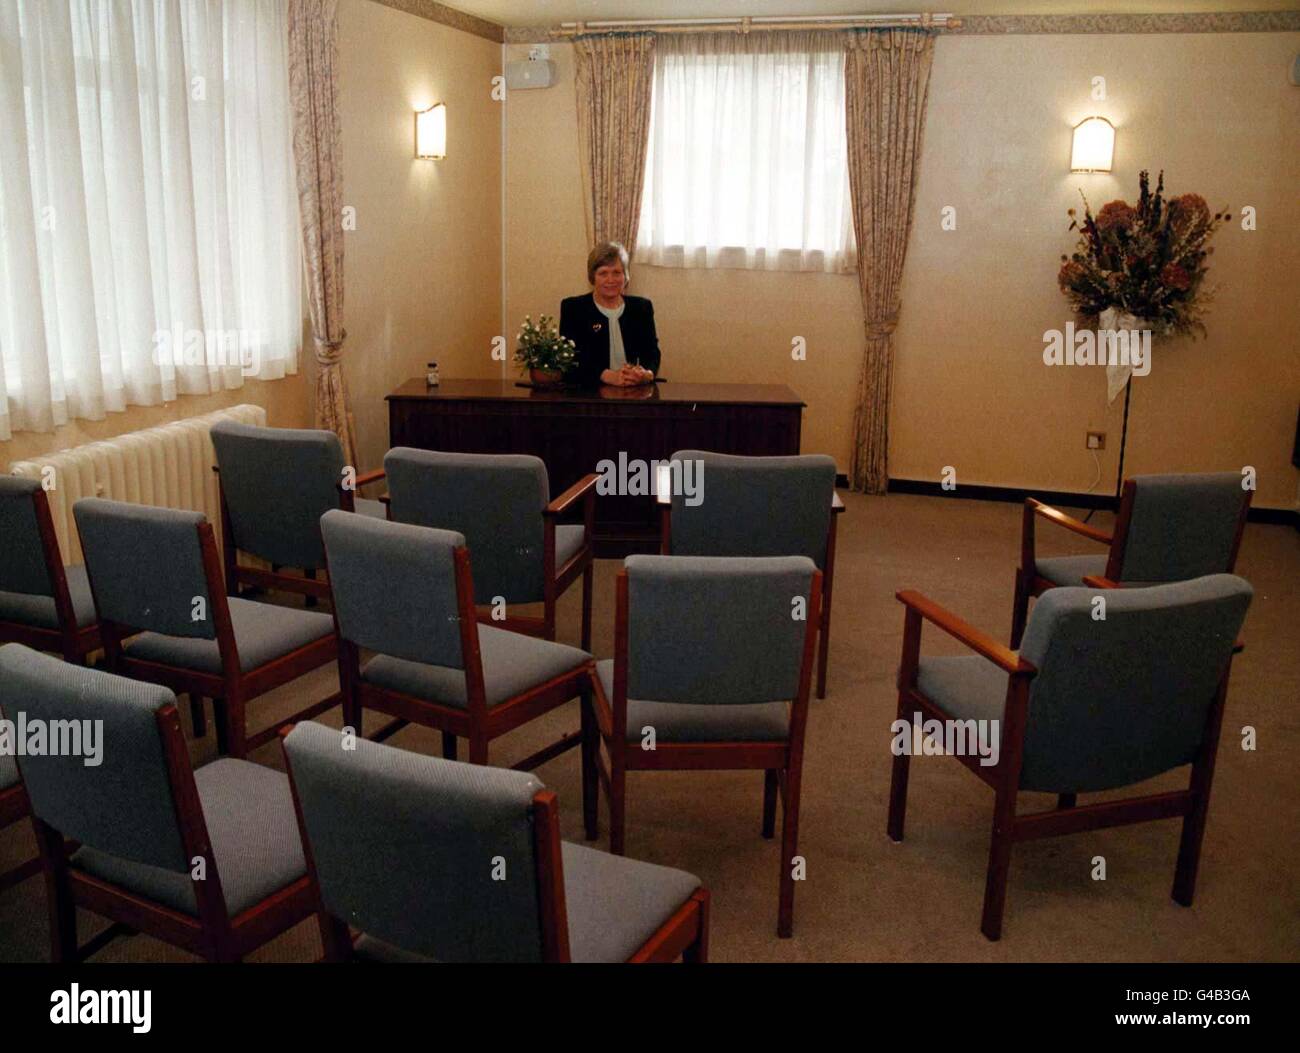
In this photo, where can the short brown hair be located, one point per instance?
(605, 253)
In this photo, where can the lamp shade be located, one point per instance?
(1093, 149)
(431, 132)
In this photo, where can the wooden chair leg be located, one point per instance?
(353, 716)
(198, 716)
(590, 776)
(221, 721)
(789, 849)
(478, 748)
(769, 803)
(236, 726)
(334, 938)
(448, 745)
(1189, 850)
(898, 785)
(698, 952)
(617, 804)
(823, 653)
(1020, 609)
(995, 886)
(587, 576)
(58, 894)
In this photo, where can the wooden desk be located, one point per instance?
(573, 431)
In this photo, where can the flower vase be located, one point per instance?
(546, 378)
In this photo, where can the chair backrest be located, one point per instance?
(23, 565)
(717, 629)
(1124, 697)
(277, 483)
(1180, 527)
(755, 506)
(146, 567)
(494, 500)
(123, 805)
(431, 856)
(395, 587)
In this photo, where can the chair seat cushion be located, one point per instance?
(367, 507)
(28, 609)
(8, 771)
(256, 844)
(615, 904)
(568, 539)
(966, 688)
(683, 722)
(1070, 570)
(263, 633)
(512, 664)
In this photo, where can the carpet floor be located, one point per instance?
(865, 898)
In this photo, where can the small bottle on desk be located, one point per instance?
(431, 374)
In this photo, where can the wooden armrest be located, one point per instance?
(571, 496)
(837, 505)
(976, 639)
(1054, 515)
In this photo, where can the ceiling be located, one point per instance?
(550, 12)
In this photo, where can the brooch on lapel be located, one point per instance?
(596, 327)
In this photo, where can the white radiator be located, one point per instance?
(169, 466)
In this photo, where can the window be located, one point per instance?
(149, 238)
(747, 160)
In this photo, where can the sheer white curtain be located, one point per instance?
(747, 158)
(149, 241)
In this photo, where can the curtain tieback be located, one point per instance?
(882, 328)
(329, 352)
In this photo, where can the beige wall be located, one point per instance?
(971, 391)
(424, 263)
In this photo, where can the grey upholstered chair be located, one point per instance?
(1168, 528)
(155, 572)
(406, 592)
(712, 663)
(207, 860)
(1112, 687)
(501, 504)
(758, 506)
(434, 860)
(42, 603)
(275, 485)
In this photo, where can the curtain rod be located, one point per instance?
(749, 23)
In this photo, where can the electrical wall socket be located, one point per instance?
(1096, 440)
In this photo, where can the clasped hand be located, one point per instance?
(626, 377)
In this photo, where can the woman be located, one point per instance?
(615, 334)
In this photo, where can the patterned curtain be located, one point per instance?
(313, 87)
(614, 77)
(887, 79)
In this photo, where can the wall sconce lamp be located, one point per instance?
(1093, 149)
(431, 132)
